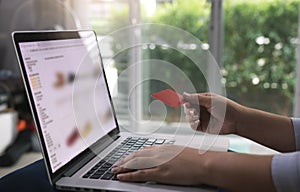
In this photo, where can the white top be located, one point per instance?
(286, 166)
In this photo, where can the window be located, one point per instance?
(153, 64)
(260, 53)
(258, 59)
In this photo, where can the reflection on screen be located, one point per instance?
(70, 95)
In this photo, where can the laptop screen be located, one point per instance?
(70, 94)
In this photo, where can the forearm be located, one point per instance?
(239, 172)
(269, 129)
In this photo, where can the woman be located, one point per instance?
(233, 171)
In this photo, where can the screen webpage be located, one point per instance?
(70, 95)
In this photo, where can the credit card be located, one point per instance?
(169, 97)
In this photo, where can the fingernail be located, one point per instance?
(192, 113)
(115, 169)
(120, 176)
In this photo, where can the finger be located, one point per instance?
(182, 101)
(145, 152)
(187, 107)
(123, 160)
(195, 125)
(151, 157)
(192, 118)
(148, 147)
(193, 112)
(191, 98)
(117, 170)
(140, 163)
(139, 176)
(190, 110)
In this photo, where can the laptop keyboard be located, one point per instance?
(103, 169)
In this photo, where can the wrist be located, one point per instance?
(238, 172)
(208, 167)
(242, 114)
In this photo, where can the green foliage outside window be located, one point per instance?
(259, 53)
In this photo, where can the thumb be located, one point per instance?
(202, 99)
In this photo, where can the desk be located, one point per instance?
(243, 145)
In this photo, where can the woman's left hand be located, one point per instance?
(171, 164)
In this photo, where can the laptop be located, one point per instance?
(74, 115)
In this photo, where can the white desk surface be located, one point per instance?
(243, 145)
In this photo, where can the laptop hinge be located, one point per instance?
(78, 165)
(90, 155)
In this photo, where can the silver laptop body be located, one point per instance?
(71, 104)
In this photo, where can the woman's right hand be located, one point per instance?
(211, 113)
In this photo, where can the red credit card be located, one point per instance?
(169, 97)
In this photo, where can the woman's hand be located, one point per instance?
(211, 113)
(215, 114)
(171, 164)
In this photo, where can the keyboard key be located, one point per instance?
(91, 171)
(100, 171)
(149, 143)
(134, 138)
(95, 176)
(106, 165)
(86, 175)
(159, 141)
(100, 163)
(107, 176)
(151, 140)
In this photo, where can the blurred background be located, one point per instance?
(254, 43)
